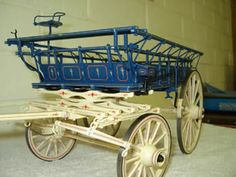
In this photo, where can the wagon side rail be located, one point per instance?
(145, 42)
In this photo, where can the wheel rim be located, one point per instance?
(189, 125)
(45, 144)
(150, 149)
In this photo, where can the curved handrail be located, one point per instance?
(53, 17)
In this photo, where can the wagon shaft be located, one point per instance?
(35, 115)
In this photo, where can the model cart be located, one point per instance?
(94, 81)
(220, 106)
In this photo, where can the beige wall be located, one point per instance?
(201, 24)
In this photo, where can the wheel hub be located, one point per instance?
(151, 156)
(195, 112)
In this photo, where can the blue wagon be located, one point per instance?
(121, 60)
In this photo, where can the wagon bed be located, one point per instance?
(130, 60)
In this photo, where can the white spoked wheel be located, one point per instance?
(190, 116)
(150, 149)
(45, 144)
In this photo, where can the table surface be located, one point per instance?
(215, 156)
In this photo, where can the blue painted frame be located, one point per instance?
(133, 61)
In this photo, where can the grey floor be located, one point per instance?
(215, 156)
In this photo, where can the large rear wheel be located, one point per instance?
(190, 116)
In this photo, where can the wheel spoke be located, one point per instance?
(197, 89)
(133, 159)
(42, 143)
(133, 170)
(140, 170)
(187, 99)
(197, 128)
(148, 126)
(186, 135)
(55, 148)
(190, 93)
(190, 134)
(154, 133)
(60, 141)
(193, 86)
(152, 171)
(144, 171)
(185, 125)
(48, 148)
(141, 136)
(194, 133)
(159, 139)
(198, 97)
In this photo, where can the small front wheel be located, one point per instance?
(150, 149)
(44, 143)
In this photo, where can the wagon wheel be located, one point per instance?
(150, 148)
(190, 113)
(110, 129)
(44, 143)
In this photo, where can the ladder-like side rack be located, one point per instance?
(132, 60)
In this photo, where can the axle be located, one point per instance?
(92, 133)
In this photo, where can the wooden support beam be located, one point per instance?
(33, 115)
